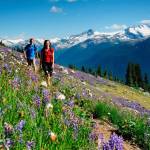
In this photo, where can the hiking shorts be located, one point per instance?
(30, 61)
(47, 68)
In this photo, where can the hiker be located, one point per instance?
(30, 53)
(47, 60)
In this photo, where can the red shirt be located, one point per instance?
(47, 55)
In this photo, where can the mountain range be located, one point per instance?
(112, 51)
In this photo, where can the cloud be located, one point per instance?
(55, 9)
(116, 27)
(145, 21)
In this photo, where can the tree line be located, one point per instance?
(134, 76)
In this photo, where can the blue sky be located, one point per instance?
(60, 18)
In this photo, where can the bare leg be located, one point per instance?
(34, 65)
(48, 80)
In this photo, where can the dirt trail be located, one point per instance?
(106, 129)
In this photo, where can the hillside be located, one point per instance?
(79, 111)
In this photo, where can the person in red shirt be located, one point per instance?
(47, 60)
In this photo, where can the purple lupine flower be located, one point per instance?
(8, 143)
(114, 142)
(33, 113)
(46, 96)
(34, 78)
(66, 122)
(132, 105)
(30, 145)
(37, 100)
(100, 141)
(71, 103)
(15, 82)
(92, 136)
(6, 66)
(20, 126)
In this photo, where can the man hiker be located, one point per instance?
(30, 53)
(47, 60)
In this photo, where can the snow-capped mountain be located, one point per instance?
(131, 33)
(136, 32)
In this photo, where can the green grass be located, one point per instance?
(126, 92)
(17, 104)
(131, 127)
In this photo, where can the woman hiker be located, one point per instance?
(47, 60)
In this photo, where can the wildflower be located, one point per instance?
(8, 143)
(44, 84)
(20, 126)
(33, 113)
(15, 82)
(34, 78)
(46, 96)
(37, 100)
(49, 105)
(30, 145)
(60, 96)
(53, 136)
(92, 136)
(114, 142)
(71, 103)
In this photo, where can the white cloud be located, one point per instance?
(116, 27)
(55, 9)
(145, 21)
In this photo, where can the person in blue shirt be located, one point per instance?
(30, 53)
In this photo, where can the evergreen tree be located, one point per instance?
(90, 70)
(146, 82)
(99, 71)
(129, 74)
(83, 69)
(105, 74)
(110, 76)
(72, 66)
(138, 75)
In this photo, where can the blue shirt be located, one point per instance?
(30, 51)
